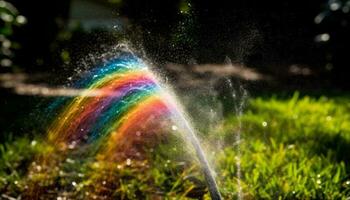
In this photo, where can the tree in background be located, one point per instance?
(45, 19)
(333, 28)
(10, 19)
(270, 35)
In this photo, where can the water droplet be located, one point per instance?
(334, 6)
(71, 161)
(72, 145)
(74, 183)
(6, 43)
(5, 62)
(264, 124)
(347, 182)
(174, 128)
(6, 17)
(322, 37)
(21, 19)
(33, 143)
(138, 133)
(128, 162)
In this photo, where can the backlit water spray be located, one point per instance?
(239, 97)
(123, 105)
(212, 186)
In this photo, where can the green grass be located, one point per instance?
(293, 148)
(296, 148)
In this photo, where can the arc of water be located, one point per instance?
(110, 79)
(209, 177)
(211, 183)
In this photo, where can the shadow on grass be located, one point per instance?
(335, 146)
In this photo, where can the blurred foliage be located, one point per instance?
(38, 37)
(295, 148)
(255, 33)
(333, 30)
(9, 20)
(334, 13)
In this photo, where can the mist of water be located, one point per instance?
(212, 186)
(190, 134)
(239, 97)
(180, 119)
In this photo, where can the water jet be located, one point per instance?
(120, 100)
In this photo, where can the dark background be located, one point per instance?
(268, 35)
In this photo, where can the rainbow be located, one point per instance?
(121, 108)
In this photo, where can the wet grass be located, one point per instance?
(292, 148)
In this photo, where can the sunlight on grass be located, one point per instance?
(295, 148)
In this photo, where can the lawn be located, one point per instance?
(290, 148)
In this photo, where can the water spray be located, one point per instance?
(128, 94)
(209, 177)
(211, 183)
